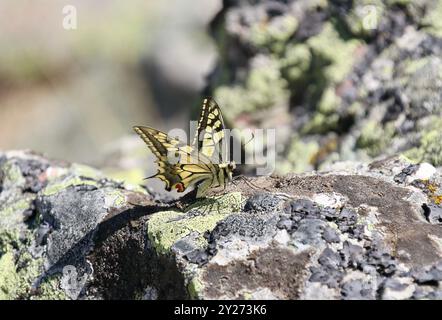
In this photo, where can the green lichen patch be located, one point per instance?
(136, 188)
(231, 202)
(114, 198)
(374, 137)
(411, 66)
(195, 288)
(325, 119)
(400, 2)
(9, 238)
(131, 178)
(50, 289)
(300, 157)
(264, 87)
(326, 46)
(166, 227)
(274, 35)
(8, 276)
(86, 171)
(11, 211)
(12, 176)
(430, 149)
(58, 185)
(18, 268)
(432, 22)
(430, 146)
(295, 61)
(364, 17)
(321, 123)
(15, 282)
(329, 101)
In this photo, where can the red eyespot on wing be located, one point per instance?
(179, 187)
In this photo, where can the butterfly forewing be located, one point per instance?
(163, 146)
(209, 137)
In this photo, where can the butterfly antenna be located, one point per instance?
(152, 176)
(247, 181)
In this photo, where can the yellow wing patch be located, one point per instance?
(210, 133)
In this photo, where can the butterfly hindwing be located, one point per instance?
(179, 166)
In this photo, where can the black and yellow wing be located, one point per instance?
(210, 134)
(179, 166)
(163, 146)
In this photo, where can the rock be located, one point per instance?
(381, 95)
(398, 289)
(366, 224)
(330, 235)
(414, 172)
(357, 289)
(79, 235)
(433, 213)
(51, 217)
(262, 202)
(429, 275)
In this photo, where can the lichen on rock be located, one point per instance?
(335, 235)
(365, 74)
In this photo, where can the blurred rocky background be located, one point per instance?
(340, 80)
(75, 94)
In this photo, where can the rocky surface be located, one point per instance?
(341, 80)
(50, 219)
(363, 232)
(349, 85)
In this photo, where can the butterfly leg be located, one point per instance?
(249, 183)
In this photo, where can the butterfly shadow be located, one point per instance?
(121, 258)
